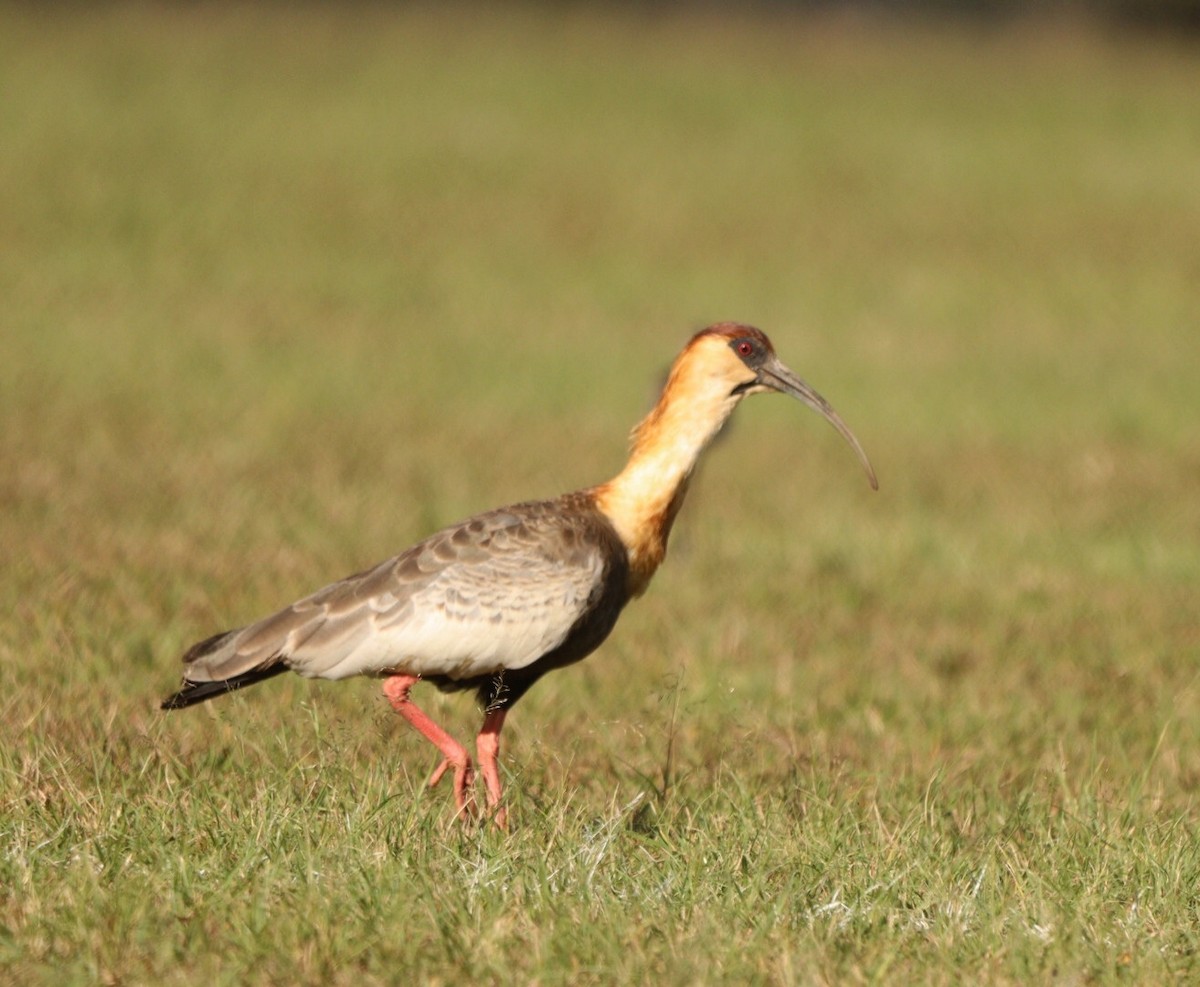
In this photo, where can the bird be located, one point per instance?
(493, 603)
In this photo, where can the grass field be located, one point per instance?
(284, 289)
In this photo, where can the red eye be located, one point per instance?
(745, 348)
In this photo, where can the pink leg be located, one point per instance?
(487, 745)
(396, 688)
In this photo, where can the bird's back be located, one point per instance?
(490, 595)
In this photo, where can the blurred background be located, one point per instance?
(285, 289)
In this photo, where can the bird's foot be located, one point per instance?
(464, 780)
(500, 818)
(466, 808)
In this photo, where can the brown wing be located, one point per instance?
(494, 592)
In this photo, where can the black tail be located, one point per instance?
(197, 692)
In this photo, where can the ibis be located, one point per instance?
(493, 603)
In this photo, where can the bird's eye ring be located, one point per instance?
(745, 347)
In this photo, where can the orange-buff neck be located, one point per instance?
(643, 499)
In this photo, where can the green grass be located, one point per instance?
(285, 289)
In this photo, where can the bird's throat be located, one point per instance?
(643, 500)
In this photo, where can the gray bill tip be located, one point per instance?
(780, 378)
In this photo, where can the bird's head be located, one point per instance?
(740, 361)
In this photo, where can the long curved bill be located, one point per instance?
(775, 375)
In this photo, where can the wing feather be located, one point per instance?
(497, 591)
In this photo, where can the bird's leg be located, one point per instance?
(396, 688)
(487, 746)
